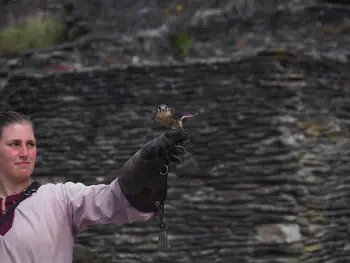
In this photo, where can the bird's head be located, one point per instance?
(162, 108)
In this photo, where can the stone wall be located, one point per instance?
(267, 176)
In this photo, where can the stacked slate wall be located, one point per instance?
(267, 179)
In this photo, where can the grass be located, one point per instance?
(180, 44)
(37, 31)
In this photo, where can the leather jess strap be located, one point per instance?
(32, 188)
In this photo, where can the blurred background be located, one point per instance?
(267, 179)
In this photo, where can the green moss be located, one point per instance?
(180, 44)
(35, 32)
(312, 216)
(312, 248)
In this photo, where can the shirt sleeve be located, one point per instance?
(99, 204)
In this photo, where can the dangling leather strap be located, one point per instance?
(163, 231)
(32, 188)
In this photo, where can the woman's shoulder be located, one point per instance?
(47, 190)
(61, 188)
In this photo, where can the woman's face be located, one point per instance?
(17, 152)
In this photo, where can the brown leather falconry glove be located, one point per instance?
(143, 178)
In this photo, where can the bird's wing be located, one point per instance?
(177, 115)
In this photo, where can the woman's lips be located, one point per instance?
(23, 163)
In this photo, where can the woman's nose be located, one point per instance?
(24, 151)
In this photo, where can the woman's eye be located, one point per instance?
(18, 144)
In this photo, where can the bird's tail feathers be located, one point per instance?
(189, 115)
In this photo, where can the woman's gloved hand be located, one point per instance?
(143, 178)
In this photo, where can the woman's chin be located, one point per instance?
(23, 175)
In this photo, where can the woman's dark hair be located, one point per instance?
(12, 117)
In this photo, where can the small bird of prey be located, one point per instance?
(172, 118)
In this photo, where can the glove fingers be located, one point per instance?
(177, 154)
(176, 136)
(157, 148)
(167, 147)
(174, 158)
(179, 149)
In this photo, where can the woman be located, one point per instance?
(41, 228)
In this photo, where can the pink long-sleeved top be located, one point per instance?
(44, 225)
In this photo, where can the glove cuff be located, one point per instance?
(146, 203)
